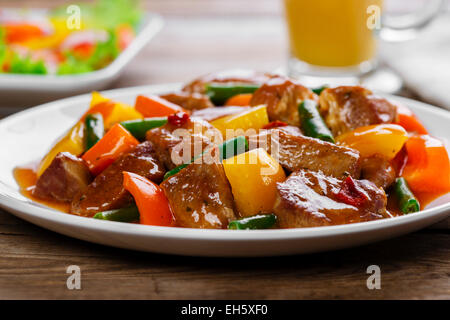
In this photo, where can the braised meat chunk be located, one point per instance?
(106, 192)
(170, 141)
(349, 107)
(189, 101)
(66, 176)
(200, 196)
(295, 151)
(378, 170)
(229, 76)
(282, 96)
(311, 199)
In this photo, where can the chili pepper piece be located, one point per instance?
(178, 119)
(275, 124)
(350, 193)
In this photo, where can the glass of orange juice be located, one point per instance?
(338, 38)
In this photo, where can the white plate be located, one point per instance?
(21, 89)
(26, 136)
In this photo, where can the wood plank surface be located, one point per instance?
(202, 36)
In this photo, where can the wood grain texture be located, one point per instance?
(33, 263)
(202, 36)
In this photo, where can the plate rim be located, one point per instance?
(25, 208)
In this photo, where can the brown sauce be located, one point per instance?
(26, 179)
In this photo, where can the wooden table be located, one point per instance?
(202, 36)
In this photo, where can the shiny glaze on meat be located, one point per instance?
(307, 199)
(378, 170)
(106, 192)
(200, 196)
(166, 141)
(282, 96)
(189, 101)
(295, 151)
(349, 107)
(228, 76)
(63, 179)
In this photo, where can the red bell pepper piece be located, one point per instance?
(154, 208)
(115, 142)
(154, 106)
(408, 120)
(427, 168)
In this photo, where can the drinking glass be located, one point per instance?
(334, 39)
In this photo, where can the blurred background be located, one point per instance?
(202, 36)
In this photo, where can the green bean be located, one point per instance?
(406, 200)
(128, 214)
(312, 123)
(138, 128)
(263, 221)
(93, 130)
(228, 149)
(319, 90)
(175, 170)
(233, 147)
(219, 93)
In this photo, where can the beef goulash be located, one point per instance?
(242, 149)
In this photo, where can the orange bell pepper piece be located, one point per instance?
(154, 208)
(241, 100)
(427, 168)
(115, 142)
(105, 108)
(154, 106)
(408, 120)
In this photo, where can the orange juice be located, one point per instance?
(330, 33)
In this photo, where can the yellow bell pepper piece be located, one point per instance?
(121, 111)
(72, 142)
(229, 126)
(382, 139)
(97, 98)
(253, 176)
